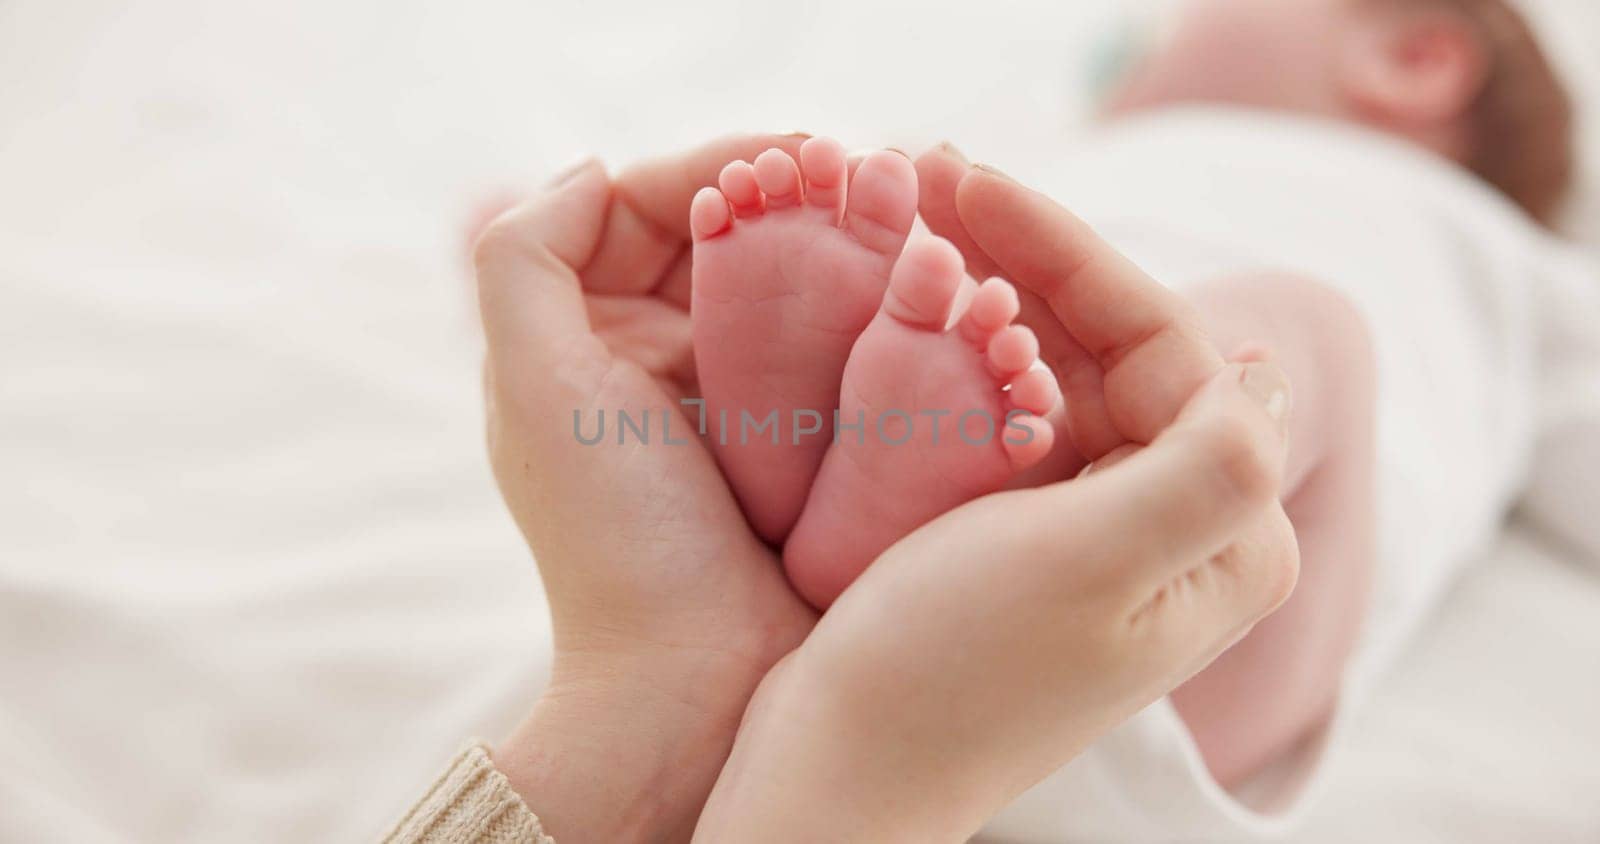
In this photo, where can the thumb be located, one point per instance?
(528, 263)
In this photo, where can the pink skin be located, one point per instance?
(1318, 57)
(1265, 695)
(1335, 59)
(1261, 698)
(805, 254)
(870, 493)
(1281, 54)
(1409, 70)
(790, 264)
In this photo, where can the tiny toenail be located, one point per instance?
(898, 151)
(794, 133)
(951, 149)
(993, 171)
(567, 173)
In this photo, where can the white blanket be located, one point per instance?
(255, 583)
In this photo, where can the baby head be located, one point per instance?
(1465, 78)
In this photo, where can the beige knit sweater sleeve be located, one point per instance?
(470, 803)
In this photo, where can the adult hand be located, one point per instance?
(1127, 350)
(991, 646)
(988, 648)
(667, 610)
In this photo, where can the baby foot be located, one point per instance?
(789, 266)
(948, 413)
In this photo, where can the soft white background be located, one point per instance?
(255, 583)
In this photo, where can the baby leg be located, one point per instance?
(1281, 682)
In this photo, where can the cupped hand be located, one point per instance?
(1127, 350)
(667, 610)
(992, 645)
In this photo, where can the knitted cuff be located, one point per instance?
(470, 803)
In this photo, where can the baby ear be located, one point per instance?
(1415, 68)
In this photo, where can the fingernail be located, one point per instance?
(950, 149)
(984, 168)
(1266, 383)
(567, 173)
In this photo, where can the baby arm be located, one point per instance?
(1279, 684)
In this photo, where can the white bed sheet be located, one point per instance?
(255, 583)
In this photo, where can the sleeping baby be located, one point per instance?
(1356, 187)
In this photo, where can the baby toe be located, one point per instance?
(738, 183)
(778, 178)
(881, 202)
(1012, 351)
(923, 284)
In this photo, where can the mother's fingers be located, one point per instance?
(1108, 303)
(527, 262)
(646, 243)
(1145, 339)
(1161, 516)
(589, 234)
(939, 173)
(1245, 582)
(1205, 480)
